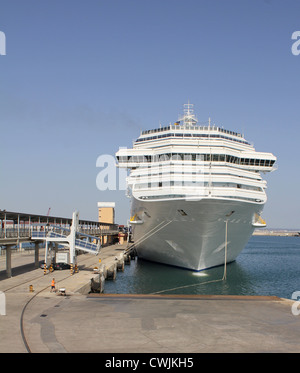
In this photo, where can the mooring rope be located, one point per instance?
(206, 282)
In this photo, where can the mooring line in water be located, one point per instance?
(187, 286)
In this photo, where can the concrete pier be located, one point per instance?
(133, 323)
(8, 260)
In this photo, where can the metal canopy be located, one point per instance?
(34, 218)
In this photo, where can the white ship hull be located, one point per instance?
(191, 234)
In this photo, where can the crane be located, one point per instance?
(48, 211)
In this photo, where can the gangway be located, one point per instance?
(69, 238)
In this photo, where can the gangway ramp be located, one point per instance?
(87, 246)
(62, 239)
(72, 239)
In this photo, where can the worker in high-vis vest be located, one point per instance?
(52, 285)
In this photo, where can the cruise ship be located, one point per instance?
(196, 192)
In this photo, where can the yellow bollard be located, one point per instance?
(31, 288)
(71, 269)
(45, 268)
(76, 268)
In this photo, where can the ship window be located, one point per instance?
(164, 157)
(176, 157)
(188, 157)
(216, 157)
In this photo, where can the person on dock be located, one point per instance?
(52, 285)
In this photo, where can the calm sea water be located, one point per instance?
(266, 266)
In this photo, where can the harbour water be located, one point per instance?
(266, 266)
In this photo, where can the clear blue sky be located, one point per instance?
(81, 78)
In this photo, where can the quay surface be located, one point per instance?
(276, 232)
(133, 323)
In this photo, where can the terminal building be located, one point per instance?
(106, 212)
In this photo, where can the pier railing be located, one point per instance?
(36, 232)
(15, 233)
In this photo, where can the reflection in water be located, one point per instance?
(267, 266)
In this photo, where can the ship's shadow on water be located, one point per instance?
(266, 266)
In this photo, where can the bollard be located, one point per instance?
(112, 272)
(102, 282)
(127, 258)
(76, 268)
(120, 265)
(45, 268)
(132, 254)
(103, 270)
(71, 269)
(31, 289)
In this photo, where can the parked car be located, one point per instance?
(61, 266)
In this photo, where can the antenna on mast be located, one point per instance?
(188, 114)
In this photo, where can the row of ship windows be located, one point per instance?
(191, 127)
(183, 135)
(185, 183)
(168, 196)
(182, 172)
(197, 157)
